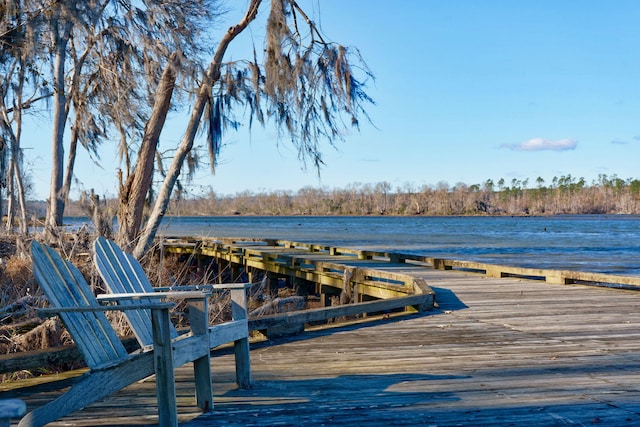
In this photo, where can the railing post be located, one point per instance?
(241, 347)
(440, 264)
(494, 271)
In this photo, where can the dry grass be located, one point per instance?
(22, 330)
(17, 279)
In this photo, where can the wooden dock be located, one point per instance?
(496, 350)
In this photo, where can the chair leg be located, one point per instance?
(199, 320)
(243, 362)
(204, 389)
(163, 363)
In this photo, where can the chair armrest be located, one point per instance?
(47, 312)
(152, 295)
(223, 286)
(204, 288)
(187, 288)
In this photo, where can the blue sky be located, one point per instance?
(465, 91)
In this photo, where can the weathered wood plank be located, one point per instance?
(495, 351)
(15, 362)
(321, 314)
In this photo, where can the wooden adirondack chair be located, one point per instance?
(124, 277)
(111, 368)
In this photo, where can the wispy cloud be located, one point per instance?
(541, 144)
(621, 141)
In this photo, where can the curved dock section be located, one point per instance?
(369, 281)
(363, 279)
(501, 346)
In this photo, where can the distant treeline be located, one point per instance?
(563, 195)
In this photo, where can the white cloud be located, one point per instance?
(540, 144)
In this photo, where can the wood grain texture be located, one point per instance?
(495, 351)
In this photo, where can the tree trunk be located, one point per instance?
(22, 219)
(134, 192)
(11, 200)
(56, 198)
(14, 174)
(164, 195)
(204, 93)
(15, 189)
(16, 154)
(15, 185)
(71, 160)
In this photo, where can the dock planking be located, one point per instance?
(495, 351)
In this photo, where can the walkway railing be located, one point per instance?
(233, 250)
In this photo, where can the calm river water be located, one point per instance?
(598, 243)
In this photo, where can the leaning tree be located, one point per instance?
(300, 82)
(112, 70)
(96, 63)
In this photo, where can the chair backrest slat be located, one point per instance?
(122, 273)
(64, 286)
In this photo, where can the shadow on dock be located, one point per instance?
(327, 401)
(447, 299)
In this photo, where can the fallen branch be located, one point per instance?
(279, 305)
(23, 326)
(47, 334)
(21, 304)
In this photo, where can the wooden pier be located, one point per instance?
(501, 346)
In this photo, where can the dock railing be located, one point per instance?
(302, 261)
(234, 248)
